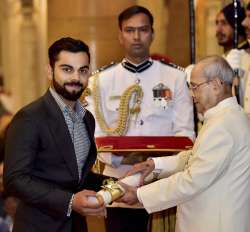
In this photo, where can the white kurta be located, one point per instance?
(175, 120)
(211, 183)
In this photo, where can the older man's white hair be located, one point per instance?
(216, 67)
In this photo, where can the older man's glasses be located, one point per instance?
(193, 87)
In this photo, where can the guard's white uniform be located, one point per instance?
(176, 119)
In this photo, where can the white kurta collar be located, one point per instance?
(228, 102)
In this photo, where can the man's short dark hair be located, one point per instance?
(228, 12)
(66, 44)
(133, 10)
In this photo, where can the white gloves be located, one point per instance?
(234, 59)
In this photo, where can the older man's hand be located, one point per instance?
(145, 168)
(130, 195)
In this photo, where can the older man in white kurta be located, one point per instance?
(211, 183)
(213, 190)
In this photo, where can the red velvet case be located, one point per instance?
(152, 144)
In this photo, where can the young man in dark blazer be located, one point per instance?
(50, 149)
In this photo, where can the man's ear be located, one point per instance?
(218, 82)
(153, 36)
(120, 37)
(218, 85)
(49, 72)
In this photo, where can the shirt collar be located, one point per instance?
(79, 109)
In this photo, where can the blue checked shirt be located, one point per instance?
(77, 129)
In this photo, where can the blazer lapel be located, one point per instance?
(92, 151)
(90, 128)
(61, 135)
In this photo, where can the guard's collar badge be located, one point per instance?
(137, 68)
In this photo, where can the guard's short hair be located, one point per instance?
(66, 44)
(133, 10)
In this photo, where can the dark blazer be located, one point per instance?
(41, 168)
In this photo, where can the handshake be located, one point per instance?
(124, 190)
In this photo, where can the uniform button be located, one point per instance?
(141, 122)
(137, 81)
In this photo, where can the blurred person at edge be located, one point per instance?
(6, 99)
(6, 112)
(245, 63)
(8, 206)
(238, 57)
(225, 28)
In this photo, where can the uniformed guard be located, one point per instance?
(125, 101)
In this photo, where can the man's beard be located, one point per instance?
(223, 40)
(71, 96)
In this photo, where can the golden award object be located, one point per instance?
(112, 190)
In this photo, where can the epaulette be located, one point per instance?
(103, 68)
(243, 45)
(173, 65)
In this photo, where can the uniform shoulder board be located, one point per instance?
(173, 65)
(104, 68)
(243, 45)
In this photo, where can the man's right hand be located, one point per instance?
(84, 206)
(145, 168)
